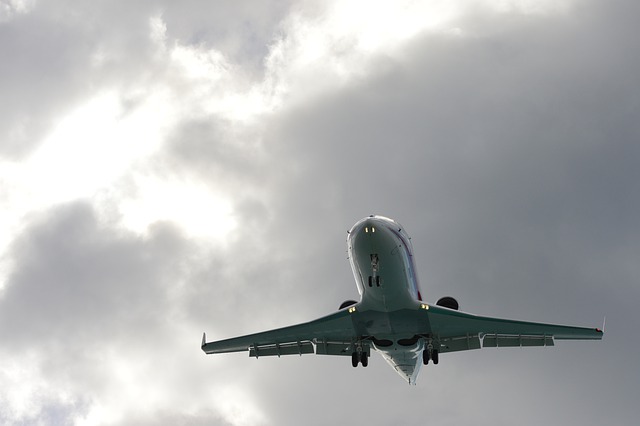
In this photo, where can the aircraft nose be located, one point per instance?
(369, 227)
(372, 226)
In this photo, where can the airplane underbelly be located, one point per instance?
(383, 268)
(406, 360)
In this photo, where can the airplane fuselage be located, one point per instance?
(381, 257)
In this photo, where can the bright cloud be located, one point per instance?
(196, 208)
(11, 8)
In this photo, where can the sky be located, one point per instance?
(172, 168)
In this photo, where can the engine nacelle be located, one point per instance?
(448, 302)
(347, 303)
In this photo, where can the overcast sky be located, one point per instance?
(169, 168)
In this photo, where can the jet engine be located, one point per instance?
(347, 303)
(448, 302)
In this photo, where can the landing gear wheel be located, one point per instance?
(435, 357)
(425, 357)
(354, 359)
(364, 359)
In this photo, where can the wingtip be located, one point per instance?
(204, 340)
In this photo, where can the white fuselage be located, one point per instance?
(381, 257)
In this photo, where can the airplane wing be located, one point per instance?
(332, 335)
(458, 331)
(451, 330)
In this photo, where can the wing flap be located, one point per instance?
(459, 343)
(324, 347)
(277, 349)
(505, 341)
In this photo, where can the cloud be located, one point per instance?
(89, 319)
(172, 169)
(50, 65)
(77, 286)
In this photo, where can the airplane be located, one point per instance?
(392, 318)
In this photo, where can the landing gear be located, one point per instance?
(375, 279)
(354, 359)
(374, 262)
(433, 356)
(359, 357)
(429, 353)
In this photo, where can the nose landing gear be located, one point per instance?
(375, 278)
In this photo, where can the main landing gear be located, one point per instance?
(433, 356)
(359, 358)
(429, 353)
